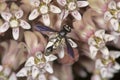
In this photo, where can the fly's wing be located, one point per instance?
(44, 28)
(69, 48)
(49, 47)
(72, 43)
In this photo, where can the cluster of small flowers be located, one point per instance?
(50, 37)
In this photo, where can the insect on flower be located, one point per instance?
(59, 40)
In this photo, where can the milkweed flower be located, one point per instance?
(43, 8)
(7, 74)
(113, 15)
(13, 20)
(71, 6)
(98, 42)
(108, 67)
(36, 66)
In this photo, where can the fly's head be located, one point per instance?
(67, 28)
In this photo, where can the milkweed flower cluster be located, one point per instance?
(51, 39)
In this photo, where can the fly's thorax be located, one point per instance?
(58, 42)
(62, 34)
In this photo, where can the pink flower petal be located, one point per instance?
(7, 71)
(98, 64)
(33, 15)
(1, 68)
(51, 57)
(62, 2)
(118, 4)
(95, 77)
(22, 73)
(105, 51)
(115, 54)
(6, 16)
(35, 72)
(35, 3)
(30, 62)
(54, 9)
(52, 77)
(41, 77)
(4, 27)
(61, 54)
(115, 24)
(64, 14)
(118, 15)
(13, 77)
(93, 52)
(76, 15)
(116, 66)
(48, 68)
(108, 37)
(91, 41)
(19, 14)
(112, 5)
(100, 33)
(46, 19)
(15, 32)
(107, 15)
(82, 3)
(104, 72)
(47, 1)
(24, 24)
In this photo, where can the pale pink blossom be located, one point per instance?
(97, 43)
(71, 6)
(38, 66)
(14, 21)
(108, 67)
(43, 8)
(113, 15)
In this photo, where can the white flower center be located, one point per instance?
(14, 23)
(72, 6)
(44, 9)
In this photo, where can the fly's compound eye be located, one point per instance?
(67, 28)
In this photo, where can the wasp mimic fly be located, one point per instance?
(58, 40)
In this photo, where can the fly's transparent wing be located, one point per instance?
(44, 28)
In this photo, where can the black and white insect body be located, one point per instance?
(58, 40)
